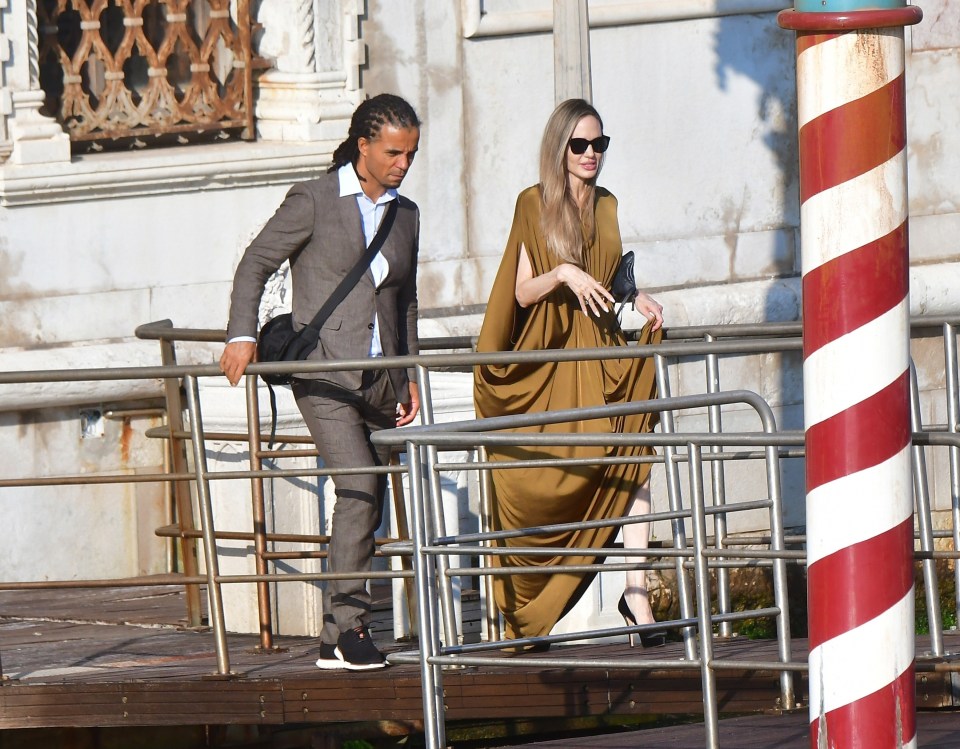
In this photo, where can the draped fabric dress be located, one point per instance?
(525, 497)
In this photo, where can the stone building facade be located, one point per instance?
(701, 107)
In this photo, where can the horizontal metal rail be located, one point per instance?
(164, 330)
(430, 361)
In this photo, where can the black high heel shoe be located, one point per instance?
(647, 639)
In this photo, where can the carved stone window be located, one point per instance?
(146, 72)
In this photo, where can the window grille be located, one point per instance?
(143, 72)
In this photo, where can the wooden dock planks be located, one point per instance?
(145, 670)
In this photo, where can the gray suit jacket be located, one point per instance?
(320, 233)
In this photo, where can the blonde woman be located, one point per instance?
(551, 292)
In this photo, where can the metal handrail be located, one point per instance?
(484, 433)
(677, 346)
(431, 361)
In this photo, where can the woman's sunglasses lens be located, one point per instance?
(579, 145)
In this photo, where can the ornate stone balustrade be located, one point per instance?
(137, 70)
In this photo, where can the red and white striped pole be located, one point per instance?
(856, 337)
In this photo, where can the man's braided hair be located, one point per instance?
(367, 120)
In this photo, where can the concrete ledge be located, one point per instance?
(126, 353)
(163, 171)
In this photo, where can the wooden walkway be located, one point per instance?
(121, 657)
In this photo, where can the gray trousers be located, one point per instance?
(341, 422)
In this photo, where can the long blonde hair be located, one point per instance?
(567, 228)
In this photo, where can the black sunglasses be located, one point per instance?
(580, 145)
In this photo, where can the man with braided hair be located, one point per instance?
(323, 228)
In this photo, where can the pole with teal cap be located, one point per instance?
(856, 338)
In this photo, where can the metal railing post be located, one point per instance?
(181, 489)
(781, 593)
(925, 522)
(715, 425)
(403, 532)
(491, 617)
(674, 496)
(953, 426)
(264, 609)
(437, 522)
(701, 573)
(214, 599)
(431, 678)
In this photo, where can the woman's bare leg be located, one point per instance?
(637, 536)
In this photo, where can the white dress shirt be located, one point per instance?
(371, 214)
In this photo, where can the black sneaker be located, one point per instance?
(328, 659)
(357, 652)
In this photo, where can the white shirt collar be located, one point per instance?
(350, 185)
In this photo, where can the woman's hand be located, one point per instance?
(650, 308)
(531, 289)
(590, 292)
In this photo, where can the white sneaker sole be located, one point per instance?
(328, 664)
(357, 666)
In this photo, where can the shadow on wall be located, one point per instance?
(755, 47)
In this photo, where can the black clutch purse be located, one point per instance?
(624, 286)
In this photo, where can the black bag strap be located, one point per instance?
(356, 272)
(273, 415)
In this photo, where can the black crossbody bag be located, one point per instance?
(279, 342)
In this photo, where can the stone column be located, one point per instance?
(6, 98)
(571, 51)
(314, 85)
(35, 137)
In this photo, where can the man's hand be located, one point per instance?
(236, 356)
(407, 412)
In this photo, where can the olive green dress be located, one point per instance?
(524, 497)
